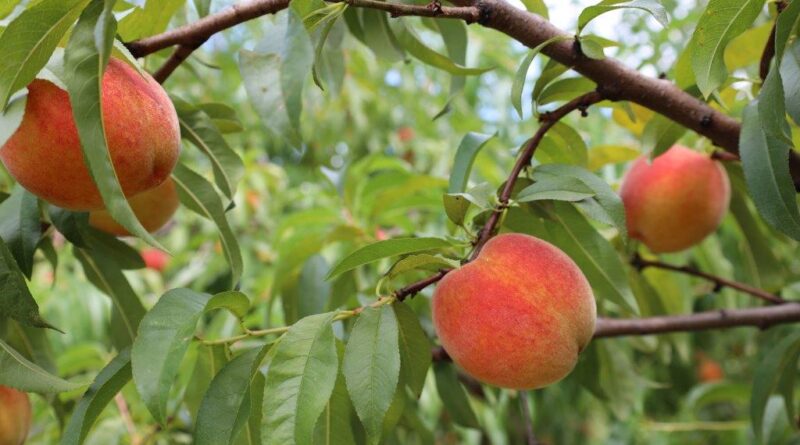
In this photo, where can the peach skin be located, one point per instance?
(518, 315)
(677, 200)
(15, 416)
(153, 208)
(44, 154)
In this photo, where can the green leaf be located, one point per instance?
(596, 257)
(522, 73)
(537, 7)
(86, 57)
(371, 367)
(422, 261)
(456, 41)
(18, 372)
(565, 89)
(767, 174)
(560, 188)
(20, 227)
(199, 196)
(453, 396)
(385, 249)
(592, 47)
(149, 20)
(164, 335)
(471, 144)
(11, 117)
(30, 39)
(415, 348)
(200, 130)
(106, 385)
(608, 200)
(651, 6)
(223, 116)
(105, 274)
(377, 34)
(456, 207)
(781, 355)
(550, 72)
(274, 79)
(233, 301)
(772, 108)
(16, 300)
(602, 155)
(660, 133)
(416, 48)
(790, 73)
(300, 380)
(785, 24)
(335, 425)
(226, 406)
(720, 23)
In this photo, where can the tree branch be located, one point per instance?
(719, 282)
(761, 317)
(181, 53)
(769, 48)
(434, 9)
(527, 418)
(196, 33)
(524, 159)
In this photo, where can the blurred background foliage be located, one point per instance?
(378, 147)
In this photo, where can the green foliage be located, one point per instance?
(301, 203)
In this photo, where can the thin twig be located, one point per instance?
(719, 282)
(181, 53)
(524, 159)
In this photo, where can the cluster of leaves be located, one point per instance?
(303, 212)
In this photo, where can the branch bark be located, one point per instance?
(762, 318)
(196, 33)
(641, 263)
(524, 159)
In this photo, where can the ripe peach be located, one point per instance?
(677, 200)
(518, 315)
(155, 259)
(153, 208)
(15, 416)
(44, 154)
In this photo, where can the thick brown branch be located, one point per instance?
(762, 317)
(524, 159)
(434, 9)
(641, 263)
(618, 82)
(194, 34)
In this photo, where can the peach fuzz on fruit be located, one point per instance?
(141, 126)
(15, 416)
(676, 201)
(518, 315)
(153, 208)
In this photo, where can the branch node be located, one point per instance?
(484, 13)
(706, 121)
(436, 7)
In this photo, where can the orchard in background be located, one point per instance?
(363, 222)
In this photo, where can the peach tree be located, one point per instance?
(364, 221)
